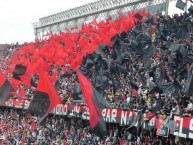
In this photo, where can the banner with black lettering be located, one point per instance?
(122, 117)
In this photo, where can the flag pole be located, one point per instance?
(186, 7)
(167, 8)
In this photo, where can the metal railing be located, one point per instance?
(99, 9)
(85, 10)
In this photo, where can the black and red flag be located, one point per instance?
(20, 73)
(95, 102)
(5, 89)
(45, 98)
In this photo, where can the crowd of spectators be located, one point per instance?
(20, 128)
(154, 55)
(6, 53)
(149, 64)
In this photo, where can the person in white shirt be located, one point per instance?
(190, 105)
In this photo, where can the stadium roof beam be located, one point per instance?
(80, 14)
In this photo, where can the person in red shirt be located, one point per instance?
(65, 142)
(146, 140)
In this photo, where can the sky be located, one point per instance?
(17, 16)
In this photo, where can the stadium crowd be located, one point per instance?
(148, 67)
(20, 128)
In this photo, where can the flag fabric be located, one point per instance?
(148, 118)
(95, 102)
(158, 107)
(61, 49)
(189, 83)
(32, 124)
(45, 98)
(5, 89)
(138, 16)
(19, 71)
(75, 27)
(123, 142)
(180, 4)
(162, 127)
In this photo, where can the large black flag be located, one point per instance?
(95, 102)
(76, 93)
(20, 73)
(5, 89)
(180, 4)
(158, 107)
(189, 83)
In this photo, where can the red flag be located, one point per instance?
(15, 83)
(2, 78)
(33, 124)
(159, 124)
(93, 22)
(75, 27)
(26, 79)
(47, 34)
(22, 92)
(67, 29)
(95, 102)
(123, 142)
